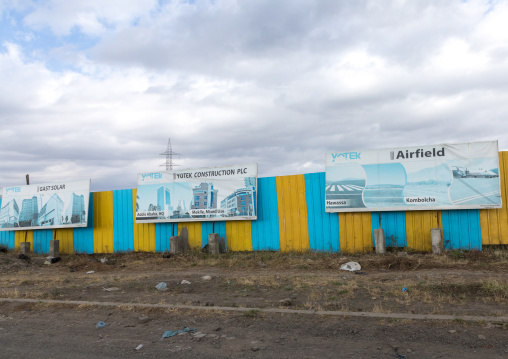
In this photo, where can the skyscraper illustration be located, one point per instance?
(29, 212)
(75, 211)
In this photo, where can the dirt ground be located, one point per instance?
(246, 286)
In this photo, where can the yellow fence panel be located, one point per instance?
(494, 222)
(66, 238)
(103, 222)
(144, 233)
(239, 235)
(24, 236)
(194, 229)
(355, 230)
(292, 207)
(418, 226)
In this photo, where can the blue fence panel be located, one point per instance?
(163, 232)
(83, 237)
(123, 221)
(461, 229)
(213, 227)
(41, 240)
(6, 237)
(323, 227)
(265, 230)
(394, 226)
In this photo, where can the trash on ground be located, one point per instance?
(172, 333)
(404, 289)
(52, 260)
(166, 255)
(111, 289)
(47, 263)
(90, 272)
(100, 325)
(24, 256)
(139, 347)
(205, 248)
(185, 282)
(162, 286)
(351, 266)
(206, 277)
(104, 260)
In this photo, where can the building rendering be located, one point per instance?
(75, 211)
(29, 212)
(204, 196)
(164, 199)
(9, 215)
(51, 212)
(239, 203)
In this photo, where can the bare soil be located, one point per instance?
(457, 283)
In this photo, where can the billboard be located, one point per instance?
(445, 176)
(45, 206)
(203, 194)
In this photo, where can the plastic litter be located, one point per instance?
(162, 286)
(206, 277)
(90, 272)
(185, 282)
(104, 260)
(351, 266)
(172, 333)
(100, 325)
(139, 347)
(404, 289)
(112, 289)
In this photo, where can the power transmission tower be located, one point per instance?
(169, 156)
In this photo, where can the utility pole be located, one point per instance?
(27, 179)
(169, 156)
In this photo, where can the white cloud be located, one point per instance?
(243, 81)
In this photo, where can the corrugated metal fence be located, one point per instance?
(291, 217)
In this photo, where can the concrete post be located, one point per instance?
(437, 241)
(379, 238)
(54, 248)
(213, 243)
(222, 245)
(174, 245)
(24, 248)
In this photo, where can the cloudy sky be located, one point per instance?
(94, 89)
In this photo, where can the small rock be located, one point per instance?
(452, 331)
(166, 255)
(199, 335)
(206, 277)
(285, 302)
(90, 272)
(254, 349)
(185, 282)
(24, 257)
(144, 319)
(217, 329)
(481, 337)
(139, 347)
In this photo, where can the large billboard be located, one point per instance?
(203, 194)
(45, 206)
(445, 176)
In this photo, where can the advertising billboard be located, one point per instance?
(45, 206)
(445, 176)
(203, 194)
